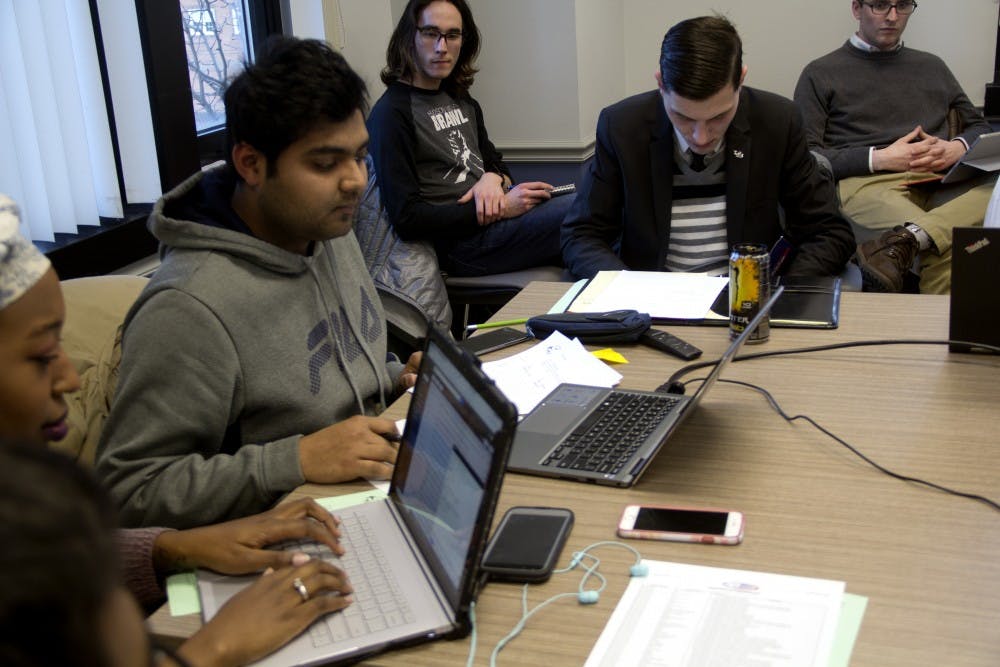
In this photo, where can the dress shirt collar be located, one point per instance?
(861, 44)
(685, 149)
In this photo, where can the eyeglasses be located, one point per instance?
(882, 7)
(432, 35)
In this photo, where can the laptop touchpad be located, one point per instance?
(553, 420)
(574, 396)
(561, 410)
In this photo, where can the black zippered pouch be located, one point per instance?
(614, 326)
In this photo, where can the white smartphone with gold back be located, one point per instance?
(682, 524)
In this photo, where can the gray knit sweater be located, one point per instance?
(853, 100)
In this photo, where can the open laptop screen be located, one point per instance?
(734, 347)
(444, 464)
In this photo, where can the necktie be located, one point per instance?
(697, 161)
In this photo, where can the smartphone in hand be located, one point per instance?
(681, 524)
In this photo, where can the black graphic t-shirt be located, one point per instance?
(447, 151)
(429, 149)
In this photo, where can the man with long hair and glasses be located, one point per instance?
(441, 178)
(878, 111)
(682, 172)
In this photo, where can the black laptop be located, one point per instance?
(608, 436)
(975, 288)
(413, 558)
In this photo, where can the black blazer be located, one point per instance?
(621, 216)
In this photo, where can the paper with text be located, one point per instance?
(695, 616)
(662, 294)
(528, 377)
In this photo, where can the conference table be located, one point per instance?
(927, 561)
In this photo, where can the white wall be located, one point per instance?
(367, 27)
(601, 39)
(547, 67)
(360, 29)
(527, 82)
(781, 36)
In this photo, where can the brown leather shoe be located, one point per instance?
(884, 261)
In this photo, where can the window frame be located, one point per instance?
(180, 151)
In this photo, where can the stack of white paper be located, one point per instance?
(528, 377)
(662, 294)
(694, 616)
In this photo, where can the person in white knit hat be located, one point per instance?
(21, 264)
(30, 409)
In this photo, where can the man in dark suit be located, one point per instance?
(682, 173)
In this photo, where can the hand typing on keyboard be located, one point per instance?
(379, 600)
(356, 447)
(269, 613)
(238, 547)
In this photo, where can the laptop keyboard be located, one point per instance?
(607, 439)
(378, 600)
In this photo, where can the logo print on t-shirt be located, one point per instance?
(452, 134)
(465, 159)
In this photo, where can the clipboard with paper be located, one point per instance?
(700, 299)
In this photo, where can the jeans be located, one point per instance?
(529, 240)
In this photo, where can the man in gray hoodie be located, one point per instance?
(252, 358)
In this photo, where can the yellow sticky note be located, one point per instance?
(610, 356)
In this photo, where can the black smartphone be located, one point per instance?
(527, 543)
(493, 340)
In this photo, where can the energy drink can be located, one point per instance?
(749, 289)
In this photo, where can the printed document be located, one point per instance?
(695, 616)
(662, 294)
(528, 377)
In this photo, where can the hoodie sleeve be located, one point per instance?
(162, 453)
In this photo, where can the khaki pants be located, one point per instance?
(882, 201)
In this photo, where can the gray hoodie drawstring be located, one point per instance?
(357, 336)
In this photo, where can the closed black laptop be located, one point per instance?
(975, 289)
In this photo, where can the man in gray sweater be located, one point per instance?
(252, 358)
(878, 111)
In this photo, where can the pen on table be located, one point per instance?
(493, 325)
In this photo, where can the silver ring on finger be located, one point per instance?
(301, 589)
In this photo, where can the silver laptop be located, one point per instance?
(412, 558)
(608, 436)
(983, 156)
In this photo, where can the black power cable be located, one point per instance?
(673, 384)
